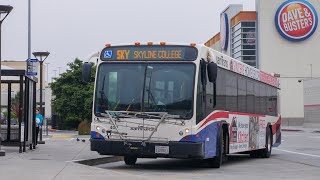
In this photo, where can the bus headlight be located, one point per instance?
(187, 130)
(103, 131)
(98, 128)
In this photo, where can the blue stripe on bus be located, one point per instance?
(96, 135)
(208, 136)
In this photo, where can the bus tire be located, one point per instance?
(266, 152)
(216, 162)
(130, 160)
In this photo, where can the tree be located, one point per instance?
(73, 98)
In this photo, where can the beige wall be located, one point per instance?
(22, 65)
(289, 59)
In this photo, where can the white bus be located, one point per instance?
(181, 101)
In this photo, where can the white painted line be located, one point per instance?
(314, 137)
(292, 152)
(71, 139)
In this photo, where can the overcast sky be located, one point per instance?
(75, 28)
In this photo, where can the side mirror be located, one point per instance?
(212, 72)
(86, 72)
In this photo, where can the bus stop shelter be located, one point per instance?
(18, 112)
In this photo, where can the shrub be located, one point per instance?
(84, 128)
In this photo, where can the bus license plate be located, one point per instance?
(162, 149)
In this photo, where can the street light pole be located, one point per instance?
(47, 65)
(4, 12)
(311, 70)
(41, 56)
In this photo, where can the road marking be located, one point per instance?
(314, 137)
(292, 152)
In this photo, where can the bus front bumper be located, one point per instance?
(182, 150)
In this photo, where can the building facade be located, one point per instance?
(281, 37)
(311, 89)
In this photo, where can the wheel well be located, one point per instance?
(225, 128)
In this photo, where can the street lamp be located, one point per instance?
(4, 12)
(41, 56)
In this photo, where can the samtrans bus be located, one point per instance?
(181, 101)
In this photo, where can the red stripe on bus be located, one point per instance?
(225, 114)
(274, 127)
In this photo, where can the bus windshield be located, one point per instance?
(146, 87)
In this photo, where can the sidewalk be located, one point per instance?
(53, 160)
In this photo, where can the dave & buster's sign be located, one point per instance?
(296, 20)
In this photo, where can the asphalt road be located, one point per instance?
(297, 158)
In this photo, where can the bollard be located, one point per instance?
(40, 141)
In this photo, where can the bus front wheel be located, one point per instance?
(130, 160)
(216, 162)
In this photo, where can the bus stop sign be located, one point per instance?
(32, 67)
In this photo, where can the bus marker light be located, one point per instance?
(137, 43)
(181, 133)
(98, 135)
(150, 43)
(187, 137)
(193, 44)
(108, 45)
(103, 131)
(197, 135)
(162, 43)
(98, 128)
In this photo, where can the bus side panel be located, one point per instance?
(212, 132)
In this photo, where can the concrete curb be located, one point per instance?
(98, 161)
(292, 130)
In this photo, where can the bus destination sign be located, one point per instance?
(149, 53)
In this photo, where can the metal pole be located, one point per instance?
(41, 110)
(2, 152)
(47, 64)
(0, 67)
(29, 29)
(59, 71)
(311, 70)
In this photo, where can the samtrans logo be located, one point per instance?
(141, 128)
(296, 20)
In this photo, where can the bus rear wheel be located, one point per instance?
(266, 152)
(130, 160)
